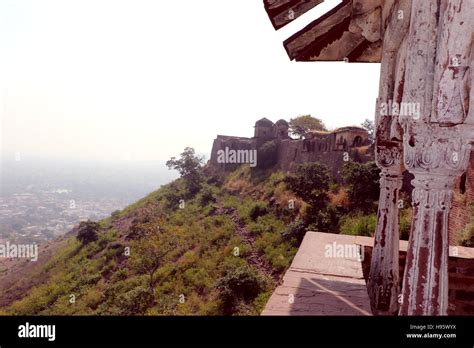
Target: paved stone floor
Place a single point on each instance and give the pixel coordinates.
(322, 281)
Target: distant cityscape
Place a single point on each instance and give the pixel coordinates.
(42, 200)
(45, 215)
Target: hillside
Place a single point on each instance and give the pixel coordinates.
(219, 251)
(212, 242)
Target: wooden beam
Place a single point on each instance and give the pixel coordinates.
(329, 38)
(282, 12)
(313, 38)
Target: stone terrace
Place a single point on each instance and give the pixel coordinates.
(319, 285)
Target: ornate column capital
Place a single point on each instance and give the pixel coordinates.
(389, 157)
(435, 151)
(436, 156)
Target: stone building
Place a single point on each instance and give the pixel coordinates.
(264, 129)
(330, 148)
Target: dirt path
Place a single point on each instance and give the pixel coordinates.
(253, 257)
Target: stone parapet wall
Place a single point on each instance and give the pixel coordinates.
(460, 214)
(461, 276)
(314, 278)
(291, 153)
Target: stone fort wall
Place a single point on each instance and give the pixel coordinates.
(331, 148)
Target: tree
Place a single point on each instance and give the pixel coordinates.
(149, 256)
(300, 125)
(88, 232)
(189, 167)
(310, 183)
(363, 183)
(369, 125)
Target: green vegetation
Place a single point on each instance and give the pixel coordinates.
(467, 234)
(300, 125)
(311, 183)
(239, 286)
(87, 232)
(370, 126)
(359, 225)
(185, 249)
(347, 208)
(362, 181)
(189, 167)
(206, 244)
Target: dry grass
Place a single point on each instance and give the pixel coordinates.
(341, 197)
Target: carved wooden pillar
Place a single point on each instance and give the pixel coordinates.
(436, 142)
(383, 282)
(383, 279)
(436, 156)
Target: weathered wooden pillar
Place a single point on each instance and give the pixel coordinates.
(383, 279)
(383, 282)
(436, 142)
(436, 157)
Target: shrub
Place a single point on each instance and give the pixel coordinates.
(280, 256)
(334, 188)
(466, 237)
(135, 301)
(88, 232)
(197, 278)
(359, 225)
(93, 298)
(256, 228)
(405, 223)
(295, 232)
(114, 301)
(115, 213)
(172, 197)
(240, 284)
(207, 197)
(311, 183)
(277, 252)
(363, 185)
(120, 274)
(257, 210)
(141, 227)
(326, 220)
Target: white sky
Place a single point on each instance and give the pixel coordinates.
(141, 80)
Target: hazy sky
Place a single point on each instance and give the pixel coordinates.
(141, 80)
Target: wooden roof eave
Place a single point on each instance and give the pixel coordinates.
(329, 37)
(283, 12)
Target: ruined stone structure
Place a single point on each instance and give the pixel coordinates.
(329, 148)
(426, 52)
